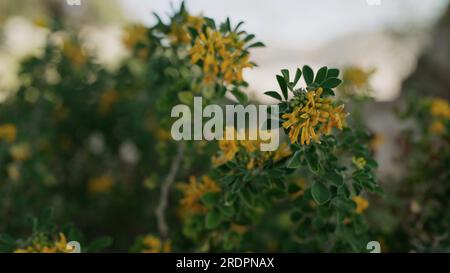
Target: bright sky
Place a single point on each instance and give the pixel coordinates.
(319, 32)
(300, 23)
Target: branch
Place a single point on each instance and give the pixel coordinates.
(165, 190)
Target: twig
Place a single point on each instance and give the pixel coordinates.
(165, 190)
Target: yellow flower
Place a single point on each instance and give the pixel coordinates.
(239, 229)
(153, 244)
(316, 114)
(440, 108)
(100, 184)
(219, 160)
(251, 164)
(135, 34)
(163, 135)
(13, 171)
(220, 53)
(301, 183)
(179, 33)
(250, 145)
(20, 152)
(107, 101)
(41, 245)
(357, 76)
(359, 162)
(41, 22)
(361, 204)
(376, 141)
(437, 128)
(8, 132)
(193, 191)
(283, 151)
(229, 148)
(74, 53)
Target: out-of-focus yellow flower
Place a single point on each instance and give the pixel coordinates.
(61, 113)
(41, 245)
(251, 164)
(74, 53)
(41, 22)
(134, 34)
(100, 184)
(440, 108)
(282, 152)
(361, 204)
(13, 172)
(359, 162)
(220, 53)
(376, 141)
(193, 191)
(357, 76)
(179, 31)
(315, 114)
(153, 244)
(107, 101)
(437, 128)
(239, 229)
(20, 152)
(301, 183)
(163, 135)
(346, 221)
(250, 145)
(8, 132)
(228, 149)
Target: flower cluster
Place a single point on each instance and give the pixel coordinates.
(179, 29)
(134, 34)
(361, 204)
(313, 116)
(152, 244)
(100, 184)
(220, 55)
(42, 244)
(8, 132)
(440, 112)
(248, 152)
(193, 191)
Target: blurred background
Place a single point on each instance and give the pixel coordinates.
(396, 39)
(405, 44)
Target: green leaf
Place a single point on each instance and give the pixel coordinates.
(333, 73)
(327, 92)
(257, 44)
(320, 193)
(99, 244)
(210, 22)
(211, 198)
(283, 86)
(249, 38)
(238, 25)
(294, 162)
(298, 75)
(332, 83)
(240, 96)
(308, 74)
(335, 178)
(274, 95)
(228, 24)
(186, 97)
(285, 74)
(321, 75)
(212, 219)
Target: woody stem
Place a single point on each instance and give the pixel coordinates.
(165, 191)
